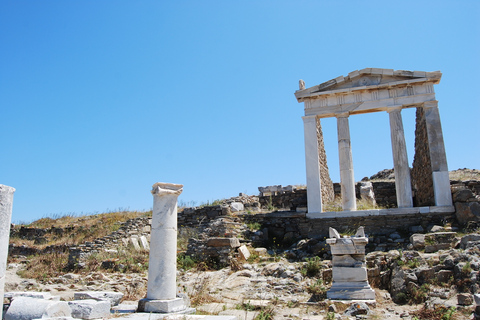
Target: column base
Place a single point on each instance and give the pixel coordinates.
(176, 305)
(351, 291)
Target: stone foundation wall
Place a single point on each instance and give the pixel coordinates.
(421, 173)
(287, 227)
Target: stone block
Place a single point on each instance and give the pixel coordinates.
(417, 240)
(90, 309)
(112, 297)
(466, 212)
(36, 295)
(134, 242)
(237, 206)
(23, 308)
(223, 242)
(343, 274)
(464, 299)
(161, 306)
(144, 243)
(244, 253)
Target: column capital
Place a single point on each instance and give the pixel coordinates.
(430, 104)
(309, 118)
(395, 109)
(342, 115)
(162, 189)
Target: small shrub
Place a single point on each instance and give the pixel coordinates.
(266, 313)
(185, 262)
(318, 290)
(254, 226)
(312, 267)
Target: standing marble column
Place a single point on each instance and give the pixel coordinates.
(403, 184)
(314, 185)
(347, 180)
(438, 157)
(162, 265)
(6, 202)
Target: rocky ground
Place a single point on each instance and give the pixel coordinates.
(276, 286)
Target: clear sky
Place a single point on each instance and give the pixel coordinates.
(101, 99)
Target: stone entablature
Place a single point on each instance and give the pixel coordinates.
(369, 90)
(374, 90)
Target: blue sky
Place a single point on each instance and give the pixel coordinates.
(101, 99)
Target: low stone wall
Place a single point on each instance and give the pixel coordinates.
(466, 197)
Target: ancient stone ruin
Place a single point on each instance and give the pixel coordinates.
(162, 265)
(377, 90)
(349, 269)
(6, 203)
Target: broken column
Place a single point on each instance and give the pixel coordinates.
(6, 202)
(162, 265)
(349, 271)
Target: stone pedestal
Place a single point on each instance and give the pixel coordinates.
(162, 265)
(6, 202)
(349, 272)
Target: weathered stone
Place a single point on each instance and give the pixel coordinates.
(468, 238)
(113, 297)
(244, 253)
(6, 204)
(464, 299)
(144, 243)
(223, 242)
(90, 309)
(26, 308)
(418, 241)
(463, 195)
(466, 212)
(237, 206)
(357, 308)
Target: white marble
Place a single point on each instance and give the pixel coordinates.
(162, 266)
(441, 181)
(314, 187)
(347, 179)
(163, 242)
(6, 203)
(349, 271)
(403, 184)
(373, 90)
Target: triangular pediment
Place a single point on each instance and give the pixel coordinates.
(368, 78)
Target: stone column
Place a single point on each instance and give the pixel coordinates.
(347, 180)
(438, 158)
(403, 184)
(162, 265)
(314, 187)
(6, 202)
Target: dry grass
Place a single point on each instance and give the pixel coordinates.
(362, 204)
(464, 174)
(77, 230)
(44, 267)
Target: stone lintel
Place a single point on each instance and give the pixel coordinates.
(318, 108)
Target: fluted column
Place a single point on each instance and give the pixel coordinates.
(6, 203)
(438, 157)
(314, 190)
(403, 184)
(347, 180)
